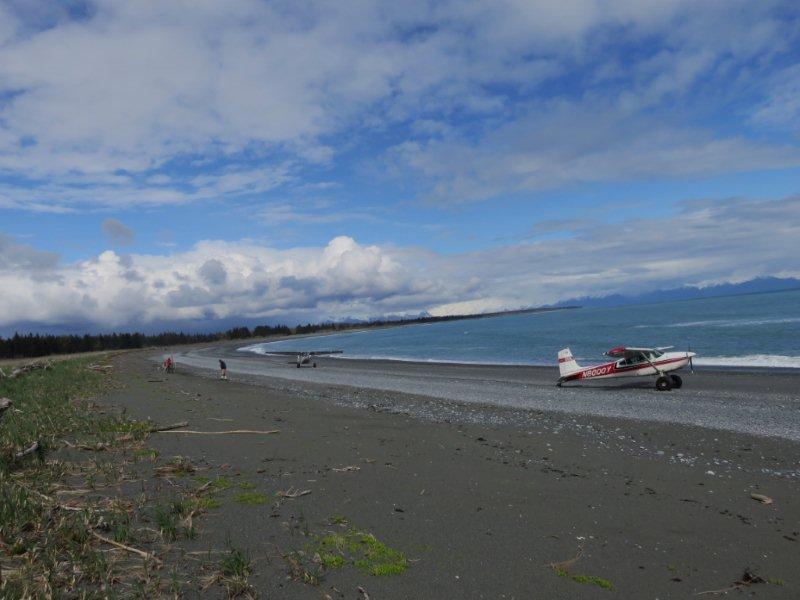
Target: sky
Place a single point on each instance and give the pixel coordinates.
(196, 163)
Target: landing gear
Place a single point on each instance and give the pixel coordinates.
(663, 384)
(298, 364)
(677, 382)
(315, 366)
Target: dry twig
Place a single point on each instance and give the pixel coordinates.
(141, 553)
(293, 493)
(566, 564)
(157, 428)
(747, 580)
(221, 432)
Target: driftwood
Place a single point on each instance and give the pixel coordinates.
(29, 450)
(141, 553)
(102, 368)
(17, 371)
(156, 428)
(2, 373)
(293, 493)
(5, 404)
(566, 564)
(345, 469)
(232, 431)
(761, 498)
(747, 580)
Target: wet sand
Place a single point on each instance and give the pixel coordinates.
(483, 489)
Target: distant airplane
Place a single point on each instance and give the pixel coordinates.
(632, 362)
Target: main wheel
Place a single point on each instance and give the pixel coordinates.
(314, 365)
(298, 365)
(676, 381)
(663, 384)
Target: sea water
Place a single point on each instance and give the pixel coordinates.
(750, 330)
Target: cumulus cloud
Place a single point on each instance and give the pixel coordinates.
(117, 232)
(740, 239)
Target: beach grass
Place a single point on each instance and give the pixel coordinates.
(65, 531)
(586, 579)
(251, 498)
(360, 549)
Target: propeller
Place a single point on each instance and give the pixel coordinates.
(689, 354)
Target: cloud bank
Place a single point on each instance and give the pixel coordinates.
(739, 239)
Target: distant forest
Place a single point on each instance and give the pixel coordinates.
(32, 345)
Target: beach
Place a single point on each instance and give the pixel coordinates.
(484, 488)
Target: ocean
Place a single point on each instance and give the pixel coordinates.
(733, 331)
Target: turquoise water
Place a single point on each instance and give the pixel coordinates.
(752, 330)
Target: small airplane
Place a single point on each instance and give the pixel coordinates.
(630, 362)
(305, 358)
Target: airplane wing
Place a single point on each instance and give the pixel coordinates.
(627, 352)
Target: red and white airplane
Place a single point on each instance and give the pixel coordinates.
(630, 362)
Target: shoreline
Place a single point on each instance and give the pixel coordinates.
(717, 365)
(763, 403)
(714, 368)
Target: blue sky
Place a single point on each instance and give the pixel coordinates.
(193, 162)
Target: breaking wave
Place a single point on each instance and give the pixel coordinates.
(750, 360)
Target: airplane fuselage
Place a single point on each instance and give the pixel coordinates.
(669, 361)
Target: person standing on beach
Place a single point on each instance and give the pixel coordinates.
(223, 369)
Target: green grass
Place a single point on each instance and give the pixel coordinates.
(208, 503)
(586, 579)
(48, 407)
(38, 536)
(360, 549)
(251, 498)
(235, 563)
(234, 569)
(166, 517)
(218, 484)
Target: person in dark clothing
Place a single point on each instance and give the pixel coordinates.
(223, 369)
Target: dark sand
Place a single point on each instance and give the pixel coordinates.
(483, 498)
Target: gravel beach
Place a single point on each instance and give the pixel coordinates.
(484, 476)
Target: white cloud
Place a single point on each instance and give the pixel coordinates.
(739, 239)
(109, 108)
(567, 144)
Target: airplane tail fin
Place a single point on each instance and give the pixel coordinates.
(566, 363)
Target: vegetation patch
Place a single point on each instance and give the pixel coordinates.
(251, 498)
(216, 484)
(233, 571)
(67, 530)
(586, 579)
(360, 549)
